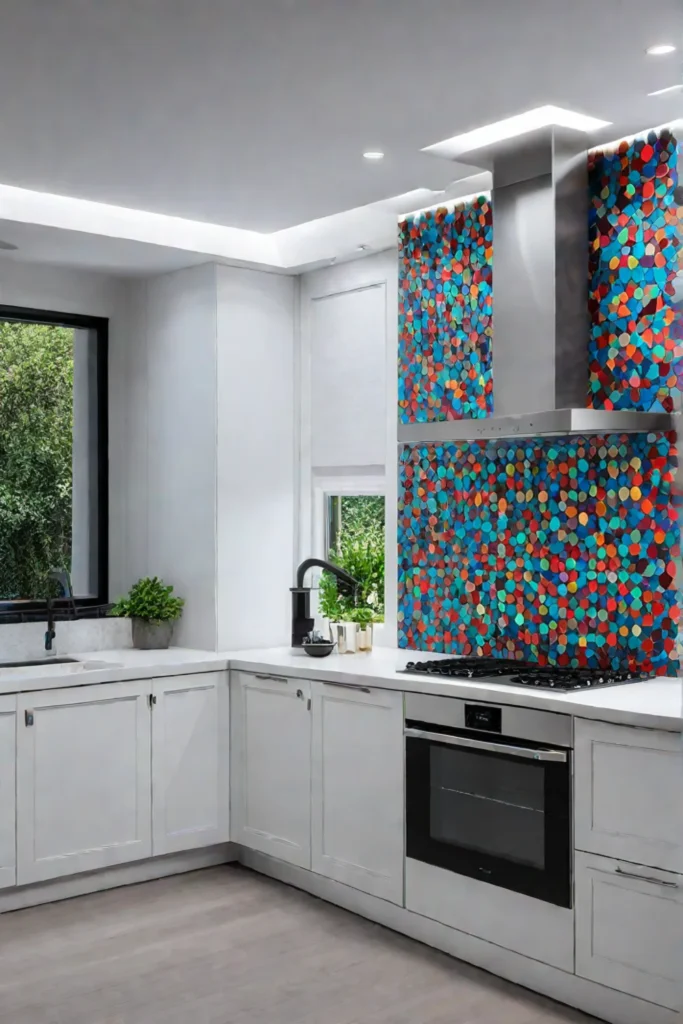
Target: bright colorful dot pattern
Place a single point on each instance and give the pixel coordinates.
(555, 550)
(446, 314)
(636, 332)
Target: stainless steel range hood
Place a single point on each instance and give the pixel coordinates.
(540, 297)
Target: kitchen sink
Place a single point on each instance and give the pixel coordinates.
(51, 667)
(39, 661)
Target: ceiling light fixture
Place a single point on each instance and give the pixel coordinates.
(510, 127)
(373, 154)
(669, 88)
(660, 49)
(8, 246)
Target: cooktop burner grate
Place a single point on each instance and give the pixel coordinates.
(519, 673)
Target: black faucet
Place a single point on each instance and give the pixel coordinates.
(62, 577)
(302, 622)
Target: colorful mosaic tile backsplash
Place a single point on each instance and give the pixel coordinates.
(556, 550)
(446, 314)
(636, 333)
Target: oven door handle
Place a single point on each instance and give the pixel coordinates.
(528, 753)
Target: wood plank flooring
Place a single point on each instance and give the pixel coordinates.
(227, 946)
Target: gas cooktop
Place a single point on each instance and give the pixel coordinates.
(519, 673)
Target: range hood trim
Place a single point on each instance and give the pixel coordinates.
(552, 422)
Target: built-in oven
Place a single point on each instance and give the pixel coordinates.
(488, 793)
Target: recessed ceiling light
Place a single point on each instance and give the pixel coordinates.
(8, 246)
(661, 49)
(499, 131)
(373, 154)
(669, 88)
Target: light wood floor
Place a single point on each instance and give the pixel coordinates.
(227, 946)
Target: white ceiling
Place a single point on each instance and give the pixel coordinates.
(255, 113)
(120, 257)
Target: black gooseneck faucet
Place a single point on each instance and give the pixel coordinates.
(62, 577)
(302, 621)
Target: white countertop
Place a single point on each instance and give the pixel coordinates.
(116, 666)
(656, 704)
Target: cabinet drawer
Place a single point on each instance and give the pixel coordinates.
(629, 928)
(628, 794)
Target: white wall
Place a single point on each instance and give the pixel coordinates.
(211, 471)
(255, 460)
(165, 504)
(348, 374)
(37, 286)
(347, 381)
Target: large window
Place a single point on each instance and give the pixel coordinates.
(53, 455)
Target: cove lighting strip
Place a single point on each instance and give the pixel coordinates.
(520, 124)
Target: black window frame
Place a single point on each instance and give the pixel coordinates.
(100, 327)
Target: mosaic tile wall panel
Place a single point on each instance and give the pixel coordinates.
(555, 550)
(446, 314)
(637, 329)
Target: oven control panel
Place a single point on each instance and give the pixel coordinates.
(478, 716)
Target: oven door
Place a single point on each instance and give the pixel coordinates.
(494, 809)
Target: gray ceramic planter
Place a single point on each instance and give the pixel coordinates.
(151, 636)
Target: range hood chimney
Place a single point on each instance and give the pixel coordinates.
(540, 297)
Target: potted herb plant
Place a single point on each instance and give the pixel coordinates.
(154, 611)
(351, 622)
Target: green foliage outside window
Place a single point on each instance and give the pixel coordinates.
(357, 545)
(36, 424)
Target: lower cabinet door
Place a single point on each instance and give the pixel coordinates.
(357, 788)
(83, 779)
(8, 834)
(190, 762)
(271, 765)
(629, 928)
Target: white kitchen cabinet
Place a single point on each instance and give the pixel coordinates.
(271, 765)
(190, 762)
(357, 788)
(83, 779)
(8, 838)
(629, 928)
(627, 785)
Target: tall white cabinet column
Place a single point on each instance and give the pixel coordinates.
(348, 392)
(207, 382)
(164, 389)
(255, 457)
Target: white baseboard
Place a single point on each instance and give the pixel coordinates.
(602, 1002)
(112, 878)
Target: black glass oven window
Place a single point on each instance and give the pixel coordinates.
(489, 804)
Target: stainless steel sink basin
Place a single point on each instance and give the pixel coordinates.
(51, 667)
(39, 661)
